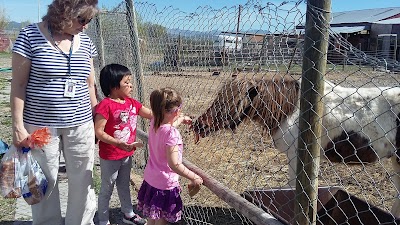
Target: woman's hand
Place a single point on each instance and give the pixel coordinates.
(21, 137)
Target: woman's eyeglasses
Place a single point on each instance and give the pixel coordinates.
(82, 21)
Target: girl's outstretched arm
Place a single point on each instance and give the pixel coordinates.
(179, 168)
(146, 113)
(182, 119)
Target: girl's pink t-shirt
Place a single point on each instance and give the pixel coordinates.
(157, 172)
(121, 124)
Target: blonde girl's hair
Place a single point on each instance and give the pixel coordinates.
(60, 13)
(162, 101)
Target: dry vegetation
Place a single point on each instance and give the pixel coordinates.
(7, 206)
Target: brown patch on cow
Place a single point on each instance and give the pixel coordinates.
(350, 147)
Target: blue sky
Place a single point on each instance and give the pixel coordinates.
(33, 10)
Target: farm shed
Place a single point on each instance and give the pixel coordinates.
(374, 31)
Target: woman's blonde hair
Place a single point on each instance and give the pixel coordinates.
(60, 13)
(161, 101)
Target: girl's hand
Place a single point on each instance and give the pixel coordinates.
(124, 146)
(182, 119)
(194, 186)
(196, 181)
(187, 120)
(129, 147)
(137, 144)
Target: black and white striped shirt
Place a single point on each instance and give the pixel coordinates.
(45, 104)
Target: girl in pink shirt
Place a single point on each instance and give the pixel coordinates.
(159, 196)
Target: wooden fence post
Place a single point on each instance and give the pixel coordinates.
(311, 109)
(101, 40)
(134, 39)
(137, 62)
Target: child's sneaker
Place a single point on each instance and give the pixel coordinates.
(135, 220)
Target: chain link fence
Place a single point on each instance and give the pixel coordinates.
(240, 70)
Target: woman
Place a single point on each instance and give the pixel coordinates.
(53, 86)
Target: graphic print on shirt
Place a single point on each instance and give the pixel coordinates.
(126, 123)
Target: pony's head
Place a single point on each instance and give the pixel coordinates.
(228, 109)
(266, 101)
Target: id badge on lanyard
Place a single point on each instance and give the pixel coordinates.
(70, 85)
(69, 88)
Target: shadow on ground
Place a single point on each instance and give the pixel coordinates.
(212, 216)
(195, 215)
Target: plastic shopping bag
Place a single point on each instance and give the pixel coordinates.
(10, 179)
(33, 182)
(20, 173)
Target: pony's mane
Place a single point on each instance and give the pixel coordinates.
(267, 101)
(274, 101)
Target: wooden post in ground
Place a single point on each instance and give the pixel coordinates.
(137, 61)
(311, 108)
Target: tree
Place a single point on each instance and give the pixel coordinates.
(152, 30)
(25, 23)
(3, 19)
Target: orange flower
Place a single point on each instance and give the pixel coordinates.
(40, 138)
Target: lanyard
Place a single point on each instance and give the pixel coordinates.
(69, 56)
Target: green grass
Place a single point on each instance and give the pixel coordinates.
(6, 122)
(3, 83)
(4, 103)
(4, 55)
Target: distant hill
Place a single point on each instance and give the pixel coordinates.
(207, 34)
(16, 26)
(191, 34)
